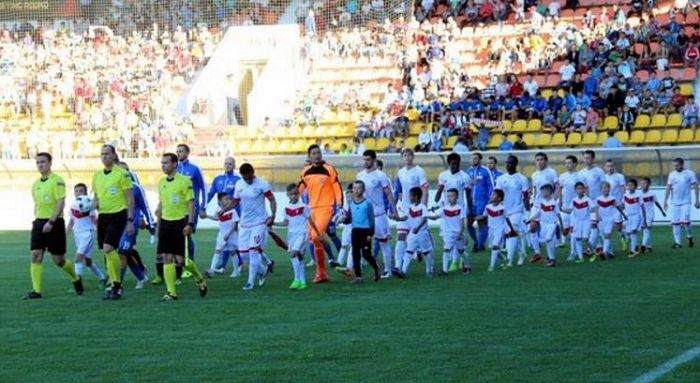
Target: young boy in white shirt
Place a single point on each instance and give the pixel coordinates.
(83, 226)
(454, 218)
(581, 210)
(545, 213)
(297, 217)
(227, 238)
(636, 215)
(494, 214)
(419, 244)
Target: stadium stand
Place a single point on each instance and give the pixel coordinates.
(379, 75)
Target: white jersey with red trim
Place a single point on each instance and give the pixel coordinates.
(375, 184)
(607, 210)
(226, 218)
(513, 186)
(416, 214)
(459, 181)
(252, 199)
(297, 216)
(546, 176)
(452, 217)
(567, 183)
(582, 208)
(545, 211)
(409, 179)
(83, 222)
(633, 203)
(681, 183)
(617, 185)
(495, 216)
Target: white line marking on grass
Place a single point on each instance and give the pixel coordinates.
(667, 366)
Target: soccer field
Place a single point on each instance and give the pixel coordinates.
(603, 322)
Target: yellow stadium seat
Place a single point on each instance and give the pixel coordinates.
(602, 136)
(546, 93)
(544, 139)
(686, 89)
(610, 123)
(674, 120)
(328, 116)
(512, 137)
(637, 137)
(520, 126)
(242, 146)
(573, 139)
(495, 140)
(697, 135)
(370, 143)
(643, 169)
(653, 137)
(343, 115)
(534, 125)
(451, 142)
(295, 131)
(382, 143)
(658, 121)
(529, 139)
(414, 129)
(558, 139)
(507, 126)
(411, 142)
(642, 121)
(685, 136)
(270, 146)
(257, 147)
(621, 135)
(590, 138)
(669, 136)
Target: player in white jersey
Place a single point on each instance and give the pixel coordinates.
(251, 192)
(227, 238)
(581, 211)
(567, 193)
(377, 188)
(545, 216)
(457, 179)
(83, 227)
(649, 203)
(606, 213)
(453, 219)
(419, 244)
(680, 181)
(592, 177)
(409, 176)
(297, 218)
(515, 187)
(495, 216)
(636, 215)
(617, 189)
(544, 175)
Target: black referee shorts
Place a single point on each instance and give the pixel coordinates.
(170, 237)
(53, 241)
(110, 227)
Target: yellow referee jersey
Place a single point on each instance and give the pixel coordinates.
(46, 193)
(109, 188)
(175, 194)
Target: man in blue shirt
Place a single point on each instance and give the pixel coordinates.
(555, 101)
(193, 171)
(127, 243)
(492, 165)
(612, 141)
(505, 145)
(222, 183)
(590, 85)
(481, 186)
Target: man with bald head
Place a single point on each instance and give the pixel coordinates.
(222, 183)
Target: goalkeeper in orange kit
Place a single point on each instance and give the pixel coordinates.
(322, 186)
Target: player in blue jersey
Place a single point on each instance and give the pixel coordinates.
(223, 183)
(185, 167)
(480, 189)
(492, 165)
(143, 218)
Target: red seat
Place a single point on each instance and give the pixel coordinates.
(643, 75)
(689, 74)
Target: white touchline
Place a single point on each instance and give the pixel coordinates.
(668, 366)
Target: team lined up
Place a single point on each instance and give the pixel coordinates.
(585, 206)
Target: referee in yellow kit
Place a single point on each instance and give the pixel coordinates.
(114, 201)
(48, 228)
(176, 214)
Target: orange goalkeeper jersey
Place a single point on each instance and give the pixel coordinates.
(322, 185)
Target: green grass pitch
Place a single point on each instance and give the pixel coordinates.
(602, 322)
